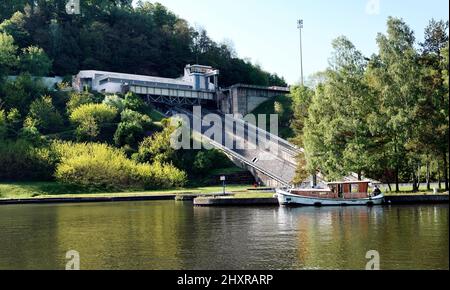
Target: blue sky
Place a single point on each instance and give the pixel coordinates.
(265, 31)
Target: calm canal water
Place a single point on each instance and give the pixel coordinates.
(171, 235)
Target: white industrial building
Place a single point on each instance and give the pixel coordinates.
(196, 78)
(198, 85)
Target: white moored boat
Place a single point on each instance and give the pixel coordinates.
(349, 193)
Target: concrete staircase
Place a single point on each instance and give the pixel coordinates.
(269, 158)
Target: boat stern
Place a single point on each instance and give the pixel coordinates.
(283, 197)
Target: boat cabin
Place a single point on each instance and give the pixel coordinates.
(339, 190)
(350, 189)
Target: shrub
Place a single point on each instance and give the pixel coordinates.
(78, 99)
(135, 103)
(210, 159)
(157, 148)
(90, 118)
(115, 102)
(20, 161)
(3, 125)
(131, 128)
(44, 116)
(35, 61)
(10, 123)
(21, 92)
(99, 166)
(99, 112)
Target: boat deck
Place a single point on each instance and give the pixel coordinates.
(329, 195)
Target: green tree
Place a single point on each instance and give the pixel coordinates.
(8, 50)
(21, 92)
(35, 61)
(432, 107)
(16, 27)
(10, 123)
(301, 99)
(150, 34)
(44, 116)
(337, 137)
(393, 73)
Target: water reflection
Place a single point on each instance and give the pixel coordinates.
(171, 235)
(339, 238)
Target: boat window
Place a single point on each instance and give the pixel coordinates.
(363, 187)
(333, 188)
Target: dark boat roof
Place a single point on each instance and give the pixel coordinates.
(351, 182)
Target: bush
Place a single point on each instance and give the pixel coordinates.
(90, 118)
(10, 123)
(115, 102)
(3, 125)
(44, 116)
(157, 148)
(78, 99)
(135, 103)
(205, 161)
(99, 166)
(99, 112)
(132, 128)
(21, 92)
(35, 61)
(20, 161)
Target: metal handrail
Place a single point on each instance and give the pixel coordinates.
(239, 157)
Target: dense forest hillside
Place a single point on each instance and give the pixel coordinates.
(113, 35)
(92, 141)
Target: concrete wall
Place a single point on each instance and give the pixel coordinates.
(243, 99)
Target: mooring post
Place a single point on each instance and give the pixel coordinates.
(223, 178)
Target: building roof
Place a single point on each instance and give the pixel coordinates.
(350, 182)
(131, 77)
(273, 88)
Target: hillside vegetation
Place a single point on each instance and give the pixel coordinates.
(114, 36)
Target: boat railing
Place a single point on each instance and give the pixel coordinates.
(332, 195)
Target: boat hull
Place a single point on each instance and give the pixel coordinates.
(288, 199)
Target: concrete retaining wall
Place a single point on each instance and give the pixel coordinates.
(414, 199)
(235, 202)
(84, 199)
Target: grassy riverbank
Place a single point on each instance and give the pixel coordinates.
(23, 190)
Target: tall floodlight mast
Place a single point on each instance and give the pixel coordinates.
(300, 27)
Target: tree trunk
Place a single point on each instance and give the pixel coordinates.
(428, 176)
(446, 171)
(414, 177)
(389, 185)
(418, 177)
(397, 186)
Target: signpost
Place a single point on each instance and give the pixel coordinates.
(223, 179)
